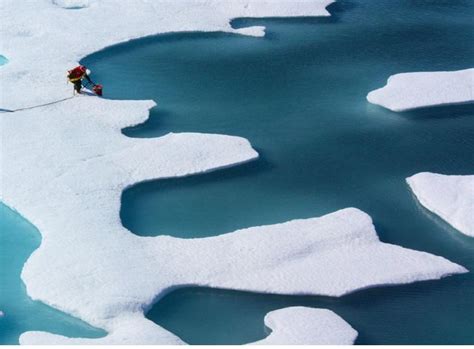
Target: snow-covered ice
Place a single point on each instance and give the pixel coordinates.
(309, 326)
(293, 325)
(65, 165)
(424, 89)
(331, 255)
(450, 197)
(61, 36)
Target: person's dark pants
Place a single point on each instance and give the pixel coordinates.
(78, 86)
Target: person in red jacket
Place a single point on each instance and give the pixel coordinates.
(76, 75)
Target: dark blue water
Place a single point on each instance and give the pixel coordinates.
(18, 239)
(299, 96)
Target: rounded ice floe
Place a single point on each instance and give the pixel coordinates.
(424, 89)
(307, 326)
(450, 197)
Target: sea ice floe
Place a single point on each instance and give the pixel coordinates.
(289, 326)
(307, 326)
(64, 167)
(425, 89)
(450, 197)
(331, 255)
(60, 43)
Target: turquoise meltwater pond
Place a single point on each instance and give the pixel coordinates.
(18, 239)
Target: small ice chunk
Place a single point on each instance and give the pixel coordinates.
(450, 197)
(257, 31)
(425, 89)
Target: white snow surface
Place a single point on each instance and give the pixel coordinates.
(289, 326)
(425, 89)
(64, 167)
(44, 38)
(450, 197)
(307, 326)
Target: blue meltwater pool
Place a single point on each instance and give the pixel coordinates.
(18, 239)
